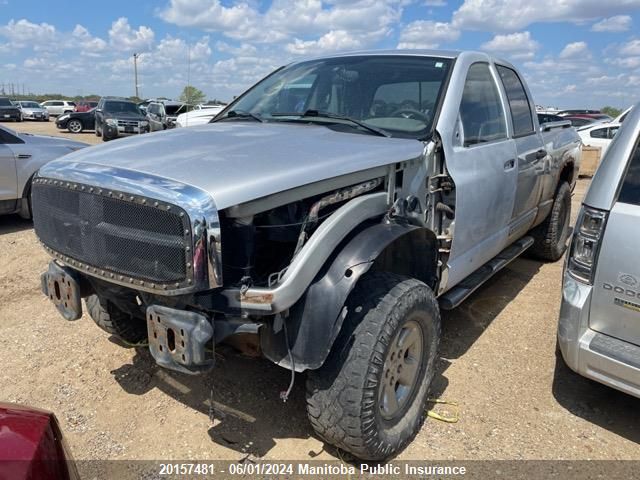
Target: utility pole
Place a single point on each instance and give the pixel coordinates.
(135, 71)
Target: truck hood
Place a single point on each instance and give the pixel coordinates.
(237, 161)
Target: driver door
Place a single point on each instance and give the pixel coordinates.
(482, 163)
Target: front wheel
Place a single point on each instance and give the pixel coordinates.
(552, 234)
(129, 328)
(369, 397)
(74, 126)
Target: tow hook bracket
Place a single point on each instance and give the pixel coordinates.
(178, 339)
(62, 287)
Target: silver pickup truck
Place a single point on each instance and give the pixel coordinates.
(329, 213)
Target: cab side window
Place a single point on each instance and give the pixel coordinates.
(630, 191)
(481, 112)
(599, 133)
(518, 102)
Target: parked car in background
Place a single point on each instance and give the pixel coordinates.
(32, 445)
(332, 233)
(58, 107)
(118, 117)
(198, 116)
(599, 326)
(162, 115)
(549, 118)
(21, 154)
(33, 111)
(577, 111)
(77, 122)
(85, 106)
(620, 118)
(9, 111)
(580, 121)
(599, 135)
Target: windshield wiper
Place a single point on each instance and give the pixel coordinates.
(333, 116)
(241, 114)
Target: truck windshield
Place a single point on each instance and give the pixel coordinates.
(5, 102)
(396, 94)
(121, 107)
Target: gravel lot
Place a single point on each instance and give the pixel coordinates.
(517, 399)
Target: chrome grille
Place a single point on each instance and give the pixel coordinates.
(114, 235)
(128, 123)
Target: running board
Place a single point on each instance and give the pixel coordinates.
(460, 292)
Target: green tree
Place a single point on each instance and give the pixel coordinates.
(611, 111)
(192, 95)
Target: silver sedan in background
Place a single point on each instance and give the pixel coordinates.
(21, 155)
(33, 111)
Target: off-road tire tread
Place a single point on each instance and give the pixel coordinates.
(340, 395)
(547, 246)
(116, 322)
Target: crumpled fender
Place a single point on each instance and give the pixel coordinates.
(314, 322)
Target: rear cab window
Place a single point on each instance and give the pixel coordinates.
(630, 190)
(521, 113)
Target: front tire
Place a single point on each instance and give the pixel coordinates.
(550, 237)
(369, 397)
(129, 328)
(74, 125)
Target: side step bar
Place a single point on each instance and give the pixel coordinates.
(460, 292)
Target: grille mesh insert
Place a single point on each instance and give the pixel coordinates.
(122, 237)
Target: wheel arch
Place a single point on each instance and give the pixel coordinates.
(313, 323)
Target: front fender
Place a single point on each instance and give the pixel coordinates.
(314, 322)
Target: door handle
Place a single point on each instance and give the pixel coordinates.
(509, 164)
(24, 156)
(540, 154)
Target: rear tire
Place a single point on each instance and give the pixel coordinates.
(552, 234)
(369, 397)
(130, 329)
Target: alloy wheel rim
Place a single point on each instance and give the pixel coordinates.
(401, 369)
(74, 125)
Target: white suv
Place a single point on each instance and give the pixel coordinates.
(58, 107)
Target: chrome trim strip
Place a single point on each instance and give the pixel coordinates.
(306, 265)
(198, 204)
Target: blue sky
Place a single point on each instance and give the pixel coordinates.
(574, 53)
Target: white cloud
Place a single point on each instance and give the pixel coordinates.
(23, 33)
(284, 19)
(332, 41)
(516, 45)
(510, 15)
(631, 48)
(435, 3)
(90, 45)
(176, 49)
(427, 34)
(124, 38)
(575, 50)
(617, 23)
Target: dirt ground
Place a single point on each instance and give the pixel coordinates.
(517, 399)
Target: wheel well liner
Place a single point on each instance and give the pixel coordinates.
(314, 322)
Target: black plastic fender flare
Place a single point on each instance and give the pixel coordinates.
(314, 322)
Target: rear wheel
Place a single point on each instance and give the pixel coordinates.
(552, 234)
(369, 397)
(130, 329)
